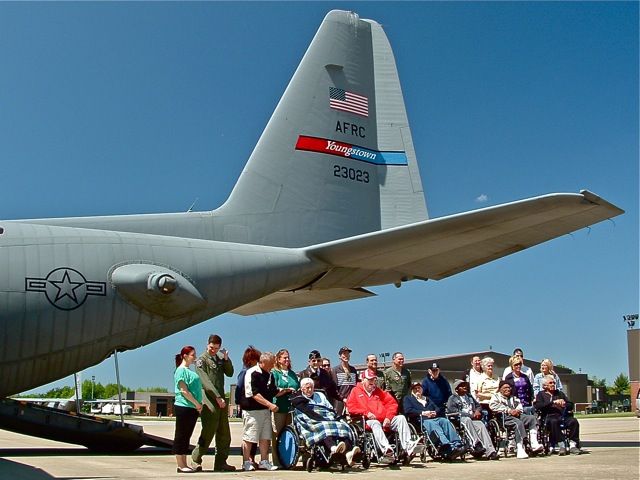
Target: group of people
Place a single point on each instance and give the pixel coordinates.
(268, 391)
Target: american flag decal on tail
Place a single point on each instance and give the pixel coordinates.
(340, 99)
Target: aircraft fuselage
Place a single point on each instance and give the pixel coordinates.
(70, 296)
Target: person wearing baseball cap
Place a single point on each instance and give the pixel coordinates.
(469, 413)
(345, 377)
(437, 388)
(423, 412)
(379, 409)
(321, 378)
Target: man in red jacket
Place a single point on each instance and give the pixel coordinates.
(380, 409)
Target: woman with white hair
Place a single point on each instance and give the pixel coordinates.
(319, 422)
(489, 381)
(546, 368)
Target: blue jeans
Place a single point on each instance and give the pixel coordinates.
(442, 428)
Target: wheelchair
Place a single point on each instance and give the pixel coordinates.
(504, 436)
(432, 445)
(500, 434)
(465, 436)
(544, 435)
(291, 447)
(370, 453)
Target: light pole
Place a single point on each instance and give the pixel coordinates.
(384, 356)
(630, 319)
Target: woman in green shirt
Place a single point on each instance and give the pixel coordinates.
(287, 383)
(187, 406)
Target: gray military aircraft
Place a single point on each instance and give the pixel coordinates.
(329, 203)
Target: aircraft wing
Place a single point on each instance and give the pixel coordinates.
(301, 298)
(438, 248)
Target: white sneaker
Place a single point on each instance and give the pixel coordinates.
(521, 452)
(248, 466)
(266, 465)
(355, 451)
(387, 458)
(411, 446)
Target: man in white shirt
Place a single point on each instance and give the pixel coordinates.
(474, 375)
(526, 370)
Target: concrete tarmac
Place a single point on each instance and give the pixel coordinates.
(614, 444)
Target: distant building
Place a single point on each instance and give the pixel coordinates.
(149, 403)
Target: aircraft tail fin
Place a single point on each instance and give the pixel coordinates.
(336, 159)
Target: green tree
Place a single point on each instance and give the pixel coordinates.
(620, 385)
(152, 389)
(61, 392)
(559, 365)
(599, 382)
(111, 389)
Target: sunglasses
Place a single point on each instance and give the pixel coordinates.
(326, 365)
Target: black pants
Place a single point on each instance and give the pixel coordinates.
(555, 432)
(186, 419)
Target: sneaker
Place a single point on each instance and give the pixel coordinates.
(387, 458)
(411, 447)
(522, 453)
(351, 454)
(248, 466)
(562, 451)
(266, 465)
(493, 456)
(574, 450)
(196, 467)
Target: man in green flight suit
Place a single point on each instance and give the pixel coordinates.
(211, 367)
(398, 379)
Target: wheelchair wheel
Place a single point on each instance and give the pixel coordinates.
(366, 461)
(423, 455)
(288, 447)
(309, 464)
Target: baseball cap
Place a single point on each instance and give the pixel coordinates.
(369, 375)
(314, 354)
(344, 349)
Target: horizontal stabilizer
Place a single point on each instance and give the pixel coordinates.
(438, 248)
(301, 298)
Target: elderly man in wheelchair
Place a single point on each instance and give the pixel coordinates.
(557, 418)
(465, 410)
(317, 432)
(379, 409)
(510, 409)
(441, 439)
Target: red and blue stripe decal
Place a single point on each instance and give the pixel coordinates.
(347, 150)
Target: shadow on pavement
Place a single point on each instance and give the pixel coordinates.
(610, 444)
(84, 452)
(18, 471)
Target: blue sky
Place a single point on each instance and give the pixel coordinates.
(115, 108)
